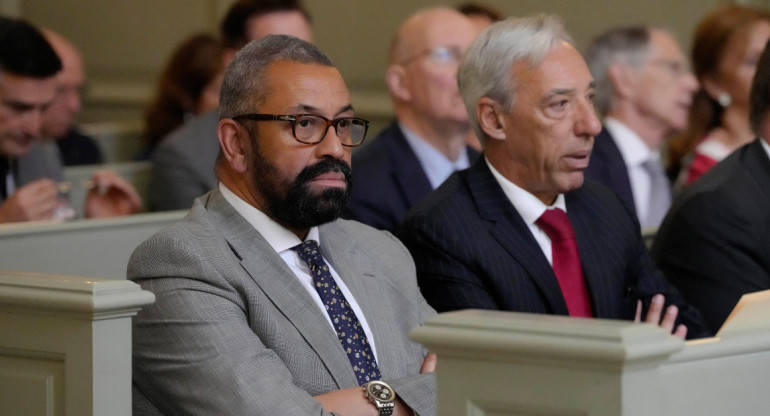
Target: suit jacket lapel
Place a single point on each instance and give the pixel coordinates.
(367, 288)
(591, 235)
(278, 282)
(513, 234)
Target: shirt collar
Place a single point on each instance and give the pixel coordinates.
(278, 236)
(632, 148)
(529, 207)
(436, 166)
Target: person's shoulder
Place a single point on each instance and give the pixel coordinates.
(377, 152)
(195, 130)
(450, 197)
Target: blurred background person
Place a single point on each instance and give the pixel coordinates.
(643, 94)
(714, 245)
(188, 87)
(427, 141)
(727, 44)
(183, 162)
(60, 118)
(28, 168)
(481, 15)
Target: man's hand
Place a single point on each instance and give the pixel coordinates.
(111, 196)
(668, 319)
(32, 202)
(429, 363)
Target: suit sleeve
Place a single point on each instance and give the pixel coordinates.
(714, 254)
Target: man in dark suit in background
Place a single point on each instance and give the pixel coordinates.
(714, 245)
(643, 92)
(426, 143)
(496, 236)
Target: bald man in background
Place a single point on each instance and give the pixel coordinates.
(427, 141)
(59, 119)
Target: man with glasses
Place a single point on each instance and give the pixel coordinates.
(266, 303)
(427, 142)
(644, 91)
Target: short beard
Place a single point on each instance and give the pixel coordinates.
(292, 204)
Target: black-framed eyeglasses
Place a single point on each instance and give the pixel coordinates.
(311, 128)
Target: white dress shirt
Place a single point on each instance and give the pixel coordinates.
(282, 240)
(530, 208)
(634, 152)
(765, 146)
(436, 166)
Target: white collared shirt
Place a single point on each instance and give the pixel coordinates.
(634, 152)
(282, 240)
(530, 208)
(436, 166)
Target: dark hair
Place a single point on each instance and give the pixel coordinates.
(25, 52)
(192, 66)
(760, 93)
(245, 85)
(475, 9)
(235, 22)
(710, 43)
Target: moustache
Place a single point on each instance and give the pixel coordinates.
(326, 166)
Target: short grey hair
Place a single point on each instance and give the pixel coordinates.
(485, 70)
(245, 85)
(628, 45)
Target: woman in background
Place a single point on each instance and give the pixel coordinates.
(189, 86)
(726, 48)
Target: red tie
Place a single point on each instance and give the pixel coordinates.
(566, 262)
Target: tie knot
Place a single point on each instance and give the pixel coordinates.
(556, 224)
(308, 250)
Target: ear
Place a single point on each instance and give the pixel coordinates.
(490, 118)
(395, 77)
(235, 143)
(623, 79)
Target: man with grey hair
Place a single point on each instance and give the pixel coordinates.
(643, 93)
(520, 230)
(266, 303)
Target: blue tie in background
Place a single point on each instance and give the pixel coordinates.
(346, 324)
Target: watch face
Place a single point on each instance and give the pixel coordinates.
(380, 391)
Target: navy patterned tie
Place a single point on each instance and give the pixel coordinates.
(346, 324)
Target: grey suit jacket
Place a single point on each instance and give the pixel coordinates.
(233, 331)
(183, 164)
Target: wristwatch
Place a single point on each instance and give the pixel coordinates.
(379, 393)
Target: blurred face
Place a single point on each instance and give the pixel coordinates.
(61, 114)
(291, 23)
(662, 88)
(297, 184)
(436, 44)
(22, 103)
(549, 131)
(738, 65)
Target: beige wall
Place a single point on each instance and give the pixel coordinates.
(126, 42)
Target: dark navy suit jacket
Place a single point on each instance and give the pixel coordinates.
(714, 244)
(608, 168)
(473, 250)
(388, 180)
